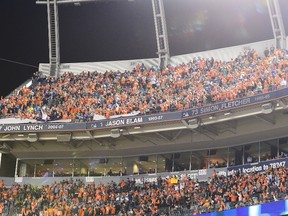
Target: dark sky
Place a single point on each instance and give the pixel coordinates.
(211, 24)
(124, 30)
(23, 38)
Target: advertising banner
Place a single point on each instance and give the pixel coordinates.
(258, 167)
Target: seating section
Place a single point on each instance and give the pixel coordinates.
(147, 90)
(167, 195)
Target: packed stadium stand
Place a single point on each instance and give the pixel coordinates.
(197, 83)
(206, 133)
(257, 176)
(178, 197)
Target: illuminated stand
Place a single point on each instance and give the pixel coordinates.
(53, 31)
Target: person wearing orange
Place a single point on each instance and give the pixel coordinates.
(50, 211)
(1, 208)
(1, 185)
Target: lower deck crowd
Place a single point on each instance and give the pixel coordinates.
(218, 193)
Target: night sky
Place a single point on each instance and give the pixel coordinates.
(23, 38)
(124, 30)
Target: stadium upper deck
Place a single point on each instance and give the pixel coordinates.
(200, 87)
(208, 123)
(214, 120)
(197, 83)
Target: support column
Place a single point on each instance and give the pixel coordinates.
(161, 33)
(53, 36)
(16, 168)
(277, 23)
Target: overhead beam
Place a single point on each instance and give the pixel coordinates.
(92, 138)
(201, 131)
(163, 136)
(211, 130)
(131, 137)
(265, 119)
(146, 141)
(177, 135)
(27, 145)
(76, 144)
(90, 134)
(231, 124)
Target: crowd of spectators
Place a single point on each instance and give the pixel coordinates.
(147, 90)
(217, 194)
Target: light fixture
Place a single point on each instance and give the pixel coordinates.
(212, 117)
(64, 137)
(32, 137)
(267, 108)
(193, 123)
(115, 133)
